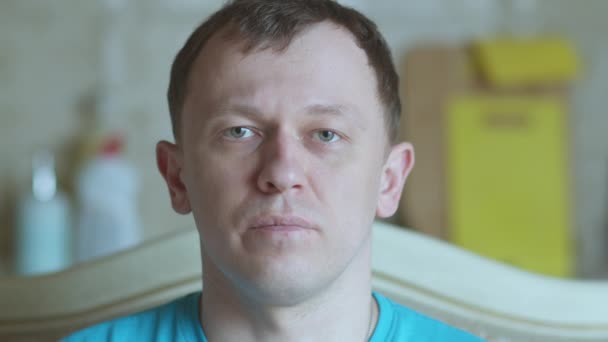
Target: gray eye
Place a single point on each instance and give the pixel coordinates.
(239, 132)
(327, 136)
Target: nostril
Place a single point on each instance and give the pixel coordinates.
(270, 186)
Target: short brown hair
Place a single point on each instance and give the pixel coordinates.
(273, 24)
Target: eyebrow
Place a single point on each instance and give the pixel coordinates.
(334, 110)
(350, 113)
(314, 109)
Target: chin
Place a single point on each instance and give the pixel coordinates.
(280, 286)
(283, 294)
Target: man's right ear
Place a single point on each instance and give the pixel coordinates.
(170, 164)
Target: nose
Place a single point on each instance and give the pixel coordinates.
(282, 165)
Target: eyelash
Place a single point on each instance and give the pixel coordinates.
(334, 133)
(227, 132)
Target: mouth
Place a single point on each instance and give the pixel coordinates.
(281, 223)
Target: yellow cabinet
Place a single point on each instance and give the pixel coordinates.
(508, 180)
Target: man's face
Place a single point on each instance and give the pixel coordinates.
(282, 160)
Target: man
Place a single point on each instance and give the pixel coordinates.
(285, 115)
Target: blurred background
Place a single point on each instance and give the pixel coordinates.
(504, 101)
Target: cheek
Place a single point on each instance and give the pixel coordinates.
(217, 186)
(349, 189)
(350, 206)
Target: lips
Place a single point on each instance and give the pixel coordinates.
(281, 222)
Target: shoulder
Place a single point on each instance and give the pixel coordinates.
(162, 323)
(399, 323)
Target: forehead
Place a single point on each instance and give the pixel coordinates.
(321, 64)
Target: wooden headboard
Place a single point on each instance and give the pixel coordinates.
(490, 299)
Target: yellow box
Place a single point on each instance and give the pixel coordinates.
(524, 62)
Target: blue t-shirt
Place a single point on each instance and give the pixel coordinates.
(179, 321)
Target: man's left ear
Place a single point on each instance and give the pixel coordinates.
(395, 171)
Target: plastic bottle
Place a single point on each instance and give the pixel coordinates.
(107, 189)
(43, 238)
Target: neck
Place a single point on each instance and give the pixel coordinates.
(342, 311)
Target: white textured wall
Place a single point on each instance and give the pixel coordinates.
(50, 62)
